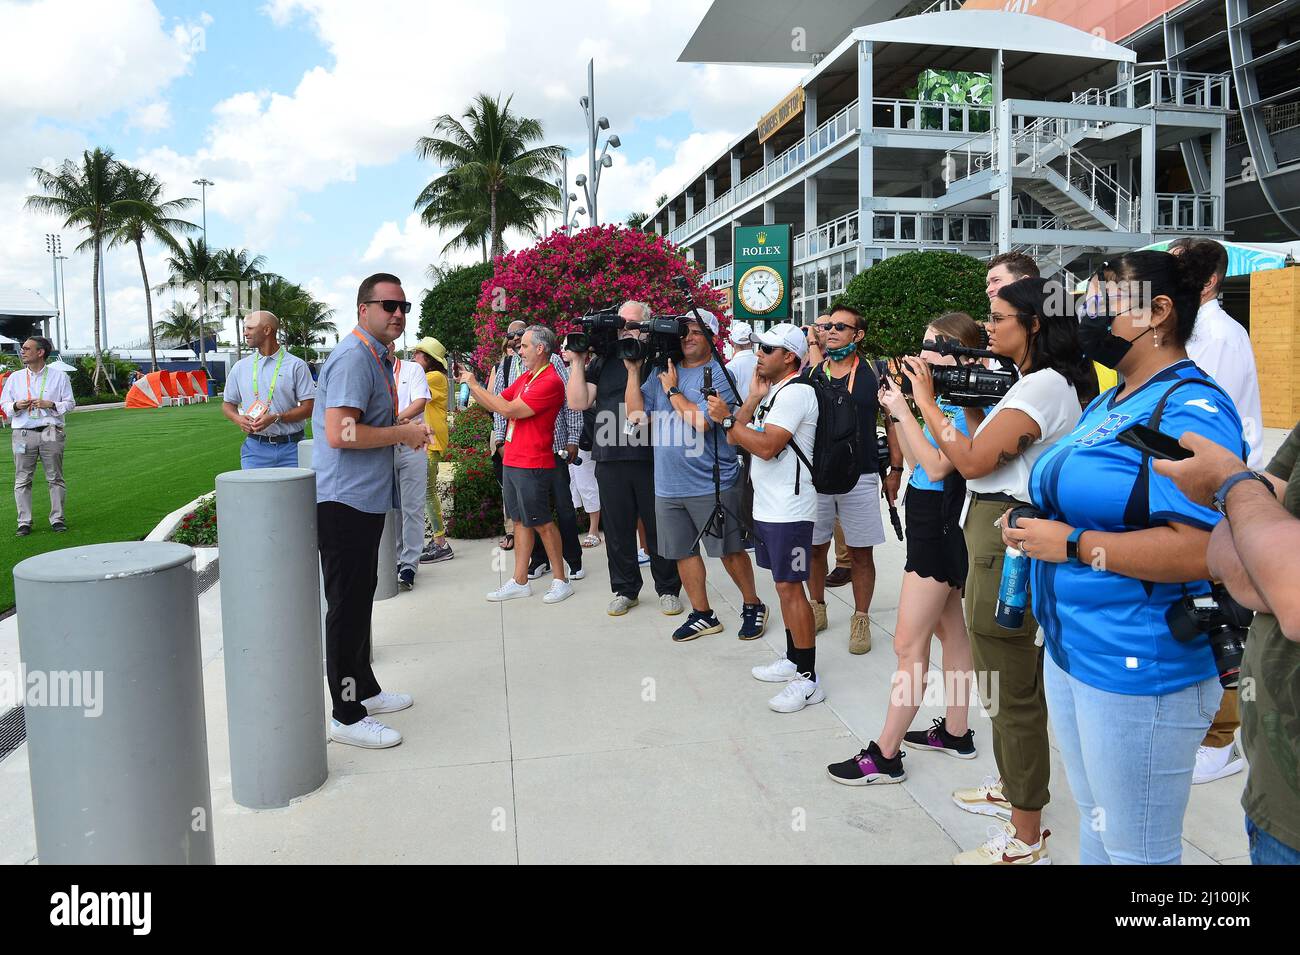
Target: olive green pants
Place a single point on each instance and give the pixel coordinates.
(1008, 667)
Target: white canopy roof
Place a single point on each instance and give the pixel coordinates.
(24, 303)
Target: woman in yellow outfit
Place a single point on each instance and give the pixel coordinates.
(432, 357)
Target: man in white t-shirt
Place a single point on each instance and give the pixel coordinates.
(745, 359)
(412, 469)
(781, 408)
(1220, 346)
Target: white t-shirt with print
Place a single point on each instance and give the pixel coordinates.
(1051, 401)
(792, 407)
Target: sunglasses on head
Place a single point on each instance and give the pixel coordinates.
(390, 305)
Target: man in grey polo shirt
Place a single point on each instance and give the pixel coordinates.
(268, 395)
(354, 423)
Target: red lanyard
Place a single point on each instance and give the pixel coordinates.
(392, 385)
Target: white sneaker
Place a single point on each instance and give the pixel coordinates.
(578, 574)
(797, 694)
(387, 703)
(510, 590)
(670, 605)
(560, 590)
(1216, 762)
(369, 733)
(620, 605)
(780, 670)
(642, 557)
(539, 571)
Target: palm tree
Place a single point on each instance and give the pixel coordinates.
(303, 320)
(194, 264)
(243, 269)
(150, 218)
(489, 167)
(90, 197)
(179, 324)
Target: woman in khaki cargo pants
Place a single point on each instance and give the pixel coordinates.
(1030, 323)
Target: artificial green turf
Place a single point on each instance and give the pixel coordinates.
(126, 469)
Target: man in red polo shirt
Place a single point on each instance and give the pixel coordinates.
(530, 406)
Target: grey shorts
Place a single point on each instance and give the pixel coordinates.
(679, 519)
(858, 512)
(527, 495)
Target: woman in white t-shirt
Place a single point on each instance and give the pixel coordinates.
(1031, 323)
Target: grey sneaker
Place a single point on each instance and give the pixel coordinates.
(670, 604)
(621, 605)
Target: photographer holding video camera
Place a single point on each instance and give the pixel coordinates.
(1138, 644)
(697, 476)
(1030, 325)
(621, 450)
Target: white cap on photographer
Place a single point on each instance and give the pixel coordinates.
(709, 319)
(785, 336)
(742, 333)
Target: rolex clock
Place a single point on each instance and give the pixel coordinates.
(761, 290)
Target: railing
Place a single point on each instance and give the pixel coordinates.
(1277, 118)
(930, 116)
(941, 6)
(1035, 222)
(1186, 212)
(834, 234)
(828, 134)
(721, 277)
(932, 228)
(1169, 88)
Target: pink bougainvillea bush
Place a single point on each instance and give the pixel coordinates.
(564, 277)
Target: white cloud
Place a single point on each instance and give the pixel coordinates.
(153, 117)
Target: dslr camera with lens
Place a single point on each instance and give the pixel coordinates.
(971, 385)
(1221, 618)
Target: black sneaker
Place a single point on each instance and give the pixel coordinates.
(433, 553)
(406, 578)
(541, 570)
(937, 739)
(59, 527)
(24, 530)
(867, 768)
(697, 625)
(753, 621)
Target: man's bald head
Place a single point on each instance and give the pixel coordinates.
(264, 318)
(260, 329)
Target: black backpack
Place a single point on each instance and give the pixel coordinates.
(836, 462)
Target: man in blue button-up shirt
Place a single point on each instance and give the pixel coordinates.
(354, 423)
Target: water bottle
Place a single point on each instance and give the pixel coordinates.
(1013, 593)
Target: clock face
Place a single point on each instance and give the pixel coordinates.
(761, 290)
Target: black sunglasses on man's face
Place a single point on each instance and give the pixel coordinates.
(768, 349)
(390, 305)
(510, 335)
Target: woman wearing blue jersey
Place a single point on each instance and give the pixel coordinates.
(933, 580)
(1029, 324)
(1119, 547)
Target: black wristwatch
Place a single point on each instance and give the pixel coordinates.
(1221, 495)
(728, 422)
(674, 390)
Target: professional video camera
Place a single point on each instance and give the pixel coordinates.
(1221, 618)
(663, 342)
(969, 386)
(599, 332)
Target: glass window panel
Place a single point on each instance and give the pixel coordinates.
(882, 227)
(907, 228)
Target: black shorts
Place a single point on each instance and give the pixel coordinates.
(784, 549)
(936, 546)
(527, 493)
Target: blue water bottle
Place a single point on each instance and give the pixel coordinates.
(1013, 592)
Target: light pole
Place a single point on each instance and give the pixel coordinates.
(63, 294)
(203, 184)
(566, 196)
(591, 182)
(54, 245)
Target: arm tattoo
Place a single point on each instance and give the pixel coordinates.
(1022, 445)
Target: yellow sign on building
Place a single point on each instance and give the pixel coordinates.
(782, 113)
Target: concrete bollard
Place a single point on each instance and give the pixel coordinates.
(270, 621)
(387, 586)
(118, 744)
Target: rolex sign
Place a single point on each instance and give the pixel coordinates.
(761, 282)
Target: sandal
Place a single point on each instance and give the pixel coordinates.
(507, 542)
(591, 540)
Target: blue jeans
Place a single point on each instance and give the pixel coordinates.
(259, 454)
(1129, 760)
(1265, 850)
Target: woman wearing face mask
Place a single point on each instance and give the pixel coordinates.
(1030, 324)
(1118, 550)
(933, 580)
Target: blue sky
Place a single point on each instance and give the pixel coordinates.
(305, 114)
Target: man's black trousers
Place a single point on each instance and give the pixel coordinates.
(566, 518)
(349, 557)
(627, 491)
